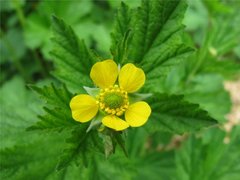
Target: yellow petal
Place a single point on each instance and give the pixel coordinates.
(83, 107)
(137, 114)
(115, 123)
(104, 74)
(131, 78)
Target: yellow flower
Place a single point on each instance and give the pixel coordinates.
(112, 99)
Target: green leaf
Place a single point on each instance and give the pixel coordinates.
(195, 19)
(209, 157)
(30, 154)
(58, 113)
(108, 145)
(36, 157)
(157, 31)
(142, 163)
(72, 59)
(24, 154)
(10, 5)
(111, 139)
(227, 68)
(120, 52)
(121, 29)
(16, 113)
(76, 146)
(221, 41)
(91, 23)
(39, 21)
(131, 3)
(156, 23)
(207, 90)
(120, 140)
(79, 147)
(171, 113)
(12, 46)
(216, 6)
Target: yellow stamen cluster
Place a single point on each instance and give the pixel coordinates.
(113, 100)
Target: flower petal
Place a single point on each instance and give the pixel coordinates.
(115, 123)
(137, 114)
(131, 78)
(104, 74)
(83, 107)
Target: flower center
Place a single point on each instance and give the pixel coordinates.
(113, 100)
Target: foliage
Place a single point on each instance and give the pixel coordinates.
(79, 60)
(39, 21)
(156, 44)
(187, 50)
(171, 113)
(58, 113)
(208, 157)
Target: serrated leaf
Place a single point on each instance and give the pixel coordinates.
(72, 59)
(204, 89)
(54, 96)
(141, 163)
(120, 53)
(209, 159)
(36, 157)
(24, 154)
(157, 43)
(171, 113)
(79, 147)
(58, 114)
(118, 36)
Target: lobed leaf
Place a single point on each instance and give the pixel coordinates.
(79, 147)
(121, 29)
(156, 43)
(73, 61)
(24, 154)
(171, 113)
(58, 113)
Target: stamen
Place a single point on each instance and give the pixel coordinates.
(113, 100)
